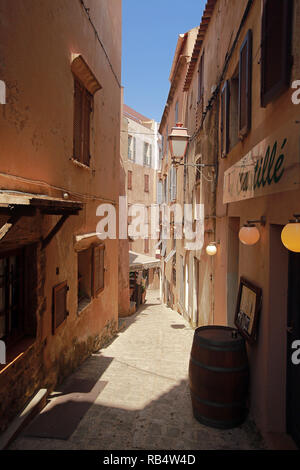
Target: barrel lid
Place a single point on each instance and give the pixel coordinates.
(220, 336)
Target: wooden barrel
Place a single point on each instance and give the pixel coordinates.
(219, 376)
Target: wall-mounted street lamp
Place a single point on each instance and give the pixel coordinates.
(290, 235)
(211, 248)
(179, 139)
(249, 233)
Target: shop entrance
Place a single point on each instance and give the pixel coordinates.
(293, 334)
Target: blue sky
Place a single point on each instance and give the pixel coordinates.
(150, 32)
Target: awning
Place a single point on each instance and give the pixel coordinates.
(170, 255)
(17, 204)
(137, 261)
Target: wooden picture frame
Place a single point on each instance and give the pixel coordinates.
(247, 309)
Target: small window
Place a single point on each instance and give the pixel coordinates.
(147, 154)
(11, 295)
(83, 103)
(176, 112)
(225, 119)
(84, 278)
(146, 248)
(201, 79)
(245, 75)
(60, 312)
(98, 269)
(131, 148)
(146, 183)
(129, 180)
(275, 48)
(234, 109)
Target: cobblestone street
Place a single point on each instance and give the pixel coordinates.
(142, 396)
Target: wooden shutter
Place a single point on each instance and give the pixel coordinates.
(129, 147)
(275, 48)
(200, 79)
(245, 84)
(134, 149)
(87, 108)
(146, 183)
(60, 312)
(173, 181)
(98, 269)
(129, 181)
(159, 192)
(225, 119)
(83, 102)
(78, 99)
(146, 245)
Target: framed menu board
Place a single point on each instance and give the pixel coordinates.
(247, 309)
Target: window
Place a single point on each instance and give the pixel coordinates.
(234, 104)
(146, 248)
(162, 147)
(129, 179)
(201, 79)
(11, 294)
(245, 75)
(83, 103)
(90, 274)
(225, 120)
(18, 294)
(176, 112)
(146, 183)
(98, 269)
(167, 141)
(173, 183)
(275, 51)
(147, 154)
(59, 312)
(131, 148)
(84, 278)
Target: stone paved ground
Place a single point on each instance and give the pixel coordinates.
(145, 403)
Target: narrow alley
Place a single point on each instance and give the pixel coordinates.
(133, 395)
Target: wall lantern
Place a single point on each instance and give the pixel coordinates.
(178, 143)
(211, 248)
(290, 235)
(249, 233)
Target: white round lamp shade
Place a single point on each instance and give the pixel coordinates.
(249, 235)
(290, 237)
(211, 249)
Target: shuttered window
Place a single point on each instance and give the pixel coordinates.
(173, 183)
(275, 48)
(83, 102)
(98, 269)
(129, 179)
(134, 149)
(225, 119)
(60, 312)
(176, 112)
(146, 245)
(245, 83)
(201, 79)
(146, 183)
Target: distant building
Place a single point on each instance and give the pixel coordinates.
(141, 169)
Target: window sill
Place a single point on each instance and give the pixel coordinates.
(81, 165)
(14, 353)
(83, 304)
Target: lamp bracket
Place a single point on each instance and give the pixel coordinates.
(261, 221)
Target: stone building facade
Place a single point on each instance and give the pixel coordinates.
(240, 91)
(59, 161)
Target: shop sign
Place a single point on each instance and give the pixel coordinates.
(272, 166)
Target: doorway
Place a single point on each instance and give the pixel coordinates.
(293, 334)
